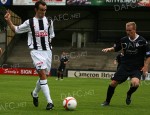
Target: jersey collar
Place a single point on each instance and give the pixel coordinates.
(134, 39)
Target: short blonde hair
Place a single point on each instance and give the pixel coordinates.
(131, 24)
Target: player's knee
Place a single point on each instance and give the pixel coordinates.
(114, 83)
(135, 82)
(42, 74)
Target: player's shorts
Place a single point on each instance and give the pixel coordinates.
(61, 68)
(42, 59)
(124, 72)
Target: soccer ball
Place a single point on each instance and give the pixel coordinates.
(70, 103)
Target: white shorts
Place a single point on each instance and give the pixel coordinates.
(42, 59)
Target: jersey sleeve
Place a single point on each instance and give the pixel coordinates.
(117, 46)
(25, 27)
(147, 50)
(51, 30)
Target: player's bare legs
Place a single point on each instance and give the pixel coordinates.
(110, 92)
(135, 82)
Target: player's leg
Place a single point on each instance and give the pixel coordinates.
(58, 73)
(135, 82)
(110, 92)
(119, 77)
(41, 61)
(62, 73)
(133, 87)
(45, 88)
(35, 93)
(45, 72)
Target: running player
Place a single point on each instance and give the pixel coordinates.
(135, 49)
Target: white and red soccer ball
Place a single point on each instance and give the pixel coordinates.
(70, 103)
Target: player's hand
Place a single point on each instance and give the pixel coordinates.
(7, 15)
(107, 50)
(65, 62)
(145, 70)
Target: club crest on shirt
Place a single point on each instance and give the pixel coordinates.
(3, 1)
(137, 44)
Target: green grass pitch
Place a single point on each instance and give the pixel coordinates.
(15, 98)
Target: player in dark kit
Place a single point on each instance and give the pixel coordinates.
(63, 61)
(135, 49)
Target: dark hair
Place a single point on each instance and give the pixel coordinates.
(38, 3)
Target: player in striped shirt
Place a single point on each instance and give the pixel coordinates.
(40, 33)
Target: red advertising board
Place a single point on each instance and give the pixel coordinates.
(18, 71)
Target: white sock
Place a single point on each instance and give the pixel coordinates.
(37, 89)
(46, 91)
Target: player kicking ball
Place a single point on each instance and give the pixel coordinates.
(135, 49)
(40, 33)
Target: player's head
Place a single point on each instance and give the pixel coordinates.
(131, 29)
(40, 9)
(63, 53)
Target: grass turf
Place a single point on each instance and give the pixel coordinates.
(15, 98)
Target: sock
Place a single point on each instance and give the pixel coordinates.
(61, 76)
(37, 89)
(110, 92)
(131, 90)
(46, 91)
(58, 75)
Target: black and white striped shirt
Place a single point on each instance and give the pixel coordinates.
(43, 33)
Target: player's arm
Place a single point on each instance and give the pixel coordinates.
(1, 51)
(25, 27)
(115, 61)
(116, 47)
(51, 30)
(145, 67)
(147, 60)
(8, 20)
(108, 49)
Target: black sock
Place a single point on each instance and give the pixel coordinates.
(58, 75)
(110, 92)
(61, 76)
(131, 90)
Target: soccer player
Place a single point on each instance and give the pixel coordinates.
(40, 33)
(63, 61)
(135, 49)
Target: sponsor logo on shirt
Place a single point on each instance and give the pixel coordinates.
(41, 33)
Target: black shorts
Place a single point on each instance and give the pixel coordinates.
(61, 68)
(124, 72)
